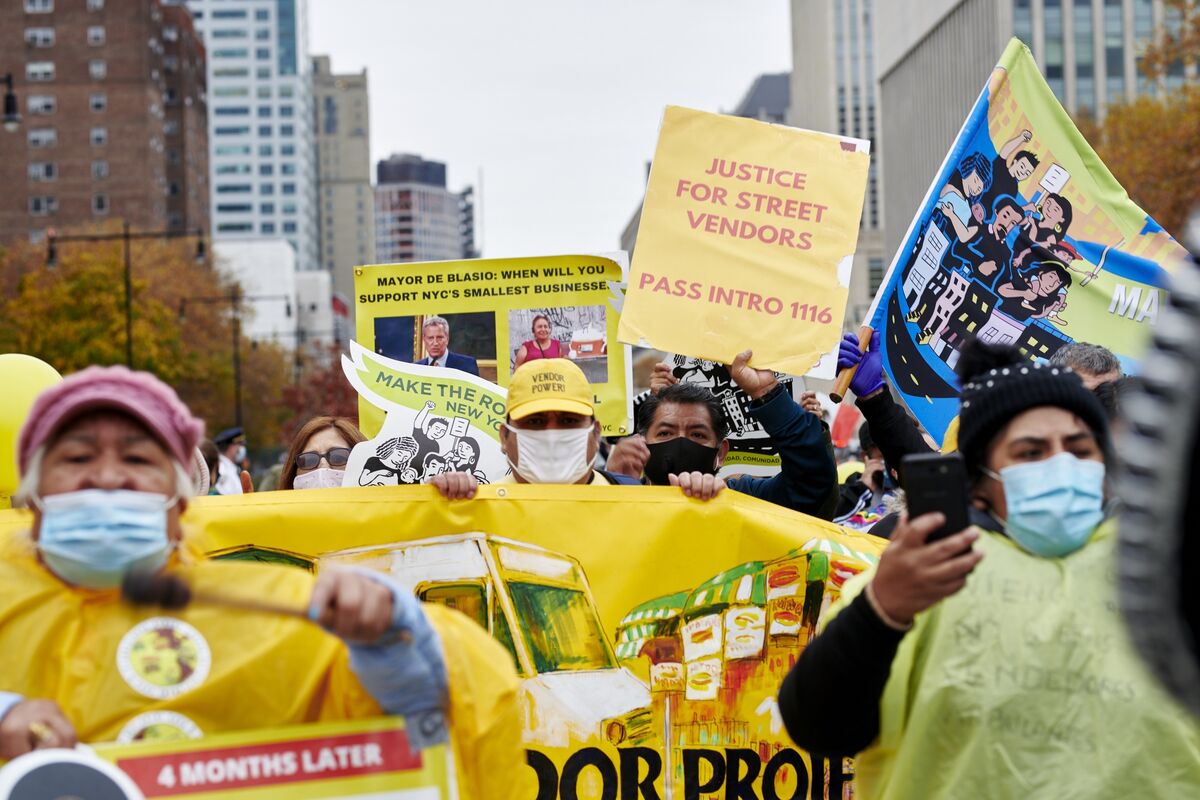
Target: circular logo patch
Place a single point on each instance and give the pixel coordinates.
(163, 658)
(159, 726)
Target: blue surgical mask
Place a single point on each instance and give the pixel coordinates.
(93, 537)
(1054, 505)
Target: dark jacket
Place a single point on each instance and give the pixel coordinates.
(457, 361)
(892, 429)
(807, 477)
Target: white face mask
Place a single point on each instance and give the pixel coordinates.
(552, 456)
(323, 478)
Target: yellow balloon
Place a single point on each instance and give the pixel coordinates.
(22, 379)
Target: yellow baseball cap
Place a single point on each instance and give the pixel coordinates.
(549, 384)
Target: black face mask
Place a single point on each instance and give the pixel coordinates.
(679, 455)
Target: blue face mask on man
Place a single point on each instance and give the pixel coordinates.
(93, 537)
(1054, 505)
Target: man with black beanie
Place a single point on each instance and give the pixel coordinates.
(994, 662)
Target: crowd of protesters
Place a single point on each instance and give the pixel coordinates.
(1046, 696)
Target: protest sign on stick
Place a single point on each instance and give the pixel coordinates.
(746, 239)
(1024, 238)
(501, 313)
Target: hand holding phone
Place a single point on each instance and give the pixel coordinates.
(935, 482)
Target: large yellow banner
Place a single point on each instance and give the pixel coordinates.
(746, 239)
(501, 313)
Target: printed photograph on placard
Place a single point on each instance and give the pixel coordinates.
(465, 341)
(579, 333)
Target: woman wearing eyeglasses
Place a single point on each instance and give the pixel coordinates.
(318, 455)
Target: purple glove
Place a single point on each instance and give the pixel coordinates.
(869, 377)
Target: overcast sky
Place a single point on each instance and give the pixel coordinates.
(557, 102)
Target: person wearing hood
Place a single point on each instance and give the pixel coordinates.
(994, 662)
(104, 458)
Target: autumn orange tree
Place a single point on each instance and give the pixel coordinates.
(1152, 145)
(72, 315)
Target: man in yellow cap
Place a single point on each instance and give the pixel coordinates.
(551, 434)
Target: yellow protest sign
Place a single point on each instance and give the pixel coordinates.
(650, 631)
(486, 317)
(342, 759)
(746, 239)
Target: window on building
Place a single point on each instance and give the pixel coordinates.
(262, 14)
(98, 69)
(234, 208)
(42, 171)
(98, 101)
(266, 169)
(1114, 51)
(262, 35)
(230, 91)
(233, 169)
(41, 137)
(39, 37)
(263, 92)
(232, 111)
(231, 72)
(171, 127)
(266, 189)
(231, 52)
(264, 130)
(171, 64)
(99, 170)
(41, 104)
(98, 137)
(287, 188)
(95, 35)
(266, 208)
(235, 227)
(230, 33)
(287, 111)
(265, 150)
(99, 204)
(39, 71)
(287, 91)
(287, 169)
(267, 227)
(230, 13)
(233, 188)
(287, 130)
(263, 73)
(41, 205)
(289, 208)
(233, 130)
(264, 112)
(39, 6)
(262, 53)
(232, 150)
(289, 227)
(172, 156)
(287, 149)
(95, 5)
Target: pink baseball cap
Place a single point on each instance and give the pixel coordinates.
(138, 394)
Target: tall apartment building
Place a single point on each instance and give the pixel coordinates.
(263, 172)
(94, 78)
(834, 90)
(416, 217)
(186, 124)
(937, 55)
(347, 204)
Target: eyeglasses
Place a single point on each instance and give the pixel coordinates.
(336, 456)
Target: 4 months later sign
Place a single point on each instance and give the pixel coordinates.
(746, 240)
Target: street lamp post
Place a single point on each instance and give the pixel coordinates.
(125, 236)
(12, 113)
(235, 298)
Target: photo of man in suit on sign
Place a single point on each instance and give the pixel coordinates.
(435, 336)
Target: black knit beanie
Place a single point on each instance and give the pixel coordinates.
(998, 383)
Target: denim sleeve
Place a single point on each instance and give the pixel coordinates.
(7, 701)
(405, 671)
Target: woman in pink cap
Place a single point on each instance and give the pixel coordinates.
(102, 458)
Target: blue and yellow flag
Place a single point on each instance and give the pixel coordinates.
(1024, 238)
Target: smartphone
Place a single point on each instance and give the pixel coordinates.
(935, 482)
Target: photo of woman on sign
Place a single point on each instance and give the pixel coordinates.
(542, 345)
